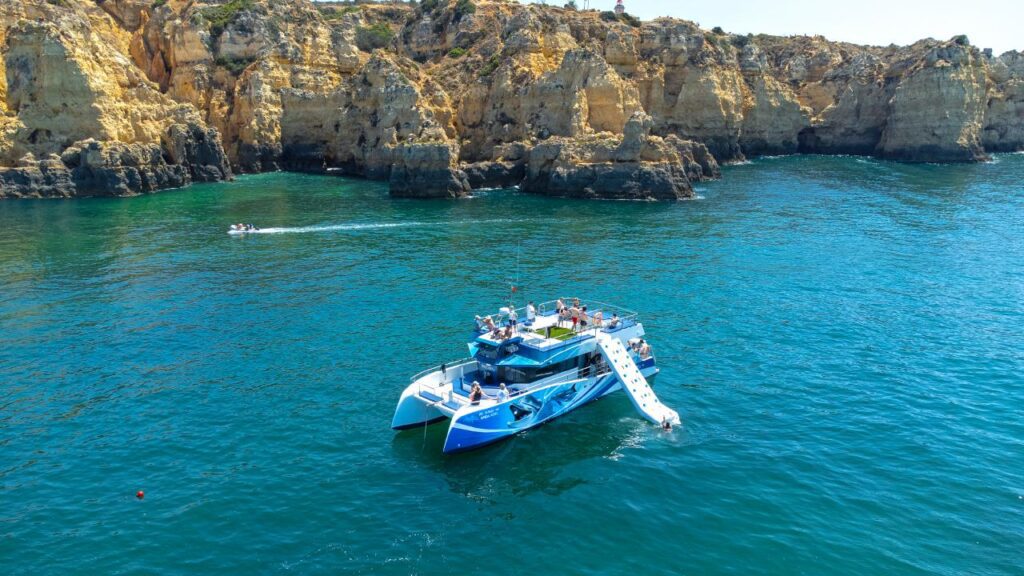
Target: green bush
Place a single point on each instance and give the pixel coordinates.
(464, 8)
(233, 65)
(571, 5)
(631, 20)
(218, 17)
(718, 30)
(429, 5)
(331, 13)
(609, 16)
(741, 41)
(490, 66)
(369, 38)
(158, 3)
(456, 52)
(962, 40)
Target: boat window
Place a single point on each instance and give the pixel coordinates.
(511, 375)
(486, 353)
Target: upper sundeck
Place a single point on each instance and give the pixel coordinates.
(548, 328)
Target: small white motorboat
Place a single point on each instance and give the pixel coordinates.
(242, 229)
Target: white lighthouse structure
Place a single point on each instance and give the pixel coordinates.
(619, 8)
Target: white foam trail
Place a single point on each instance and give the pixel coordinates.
(368, 226)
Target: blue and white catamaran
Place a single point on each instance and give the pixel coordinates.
(548, 367)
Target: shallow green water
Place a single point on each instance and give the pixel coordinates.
(843, 339)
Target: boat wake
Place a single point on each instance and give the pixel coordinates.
(366, 226)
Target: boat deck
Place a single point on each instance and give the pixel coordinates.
(548, 330)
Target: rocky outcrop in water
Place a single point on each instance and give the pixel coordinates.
(633, 166)
(444, 96)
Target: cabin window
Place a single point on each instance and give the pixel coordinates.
(511, 375)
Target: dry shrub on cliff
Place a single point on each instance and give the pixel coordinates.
(218, 17)
(463, 8)
(331, 13)
(490, 66)
(234, 65)
(369, 38)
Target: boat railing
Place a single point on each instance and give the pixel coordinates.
(544, 307)
(626, 316)
(450, 368)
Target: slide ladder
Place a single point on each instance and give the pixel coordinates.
(636, 386)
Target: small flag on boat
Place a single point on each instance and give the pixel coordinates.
(513, 288)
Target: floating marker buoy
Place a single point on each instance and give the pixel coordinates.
(140, 494)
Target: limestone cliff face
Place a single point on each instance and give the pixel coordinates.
(938, 108)
(386, 122)
(126, 96)
(1004, 116)
(80, 113)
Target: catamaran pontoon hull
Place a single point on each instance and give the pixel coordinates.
(475, 428)
(472, 426)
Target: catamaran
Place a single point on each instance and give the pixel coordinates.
(523, 373)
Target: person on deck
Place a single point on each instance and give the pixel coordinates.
(559, 305)
(598, 318)
(574, 314)
(531, 314)
(502, 392)
(475, 393)
(645, 350)
(513, 319)
(614, 322)
(583, 318)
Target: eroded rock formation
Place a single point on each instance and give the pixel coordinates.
(117, 97)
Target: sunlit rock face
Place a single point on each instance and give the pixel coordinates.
(127, 96)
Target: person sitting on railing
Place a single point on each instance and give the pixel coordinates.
(475, 393)
(614, 322)
(598, 319)
(485, 323)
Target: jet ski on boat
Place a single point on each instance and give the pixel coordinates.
(242, 229)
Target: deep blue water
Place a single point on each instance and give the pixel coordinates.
(842, 337)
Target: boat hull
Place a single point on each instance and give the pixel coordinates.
(414, 411)
(475, 426)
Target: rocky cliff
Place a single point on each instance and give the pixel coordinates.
(116, 97)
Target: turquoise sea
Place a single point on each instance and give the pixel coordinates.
(844, 339)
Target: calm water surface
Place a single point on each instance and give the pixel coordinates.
(842, 337)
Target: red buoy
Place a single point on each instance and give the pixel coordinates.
(140, 494)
